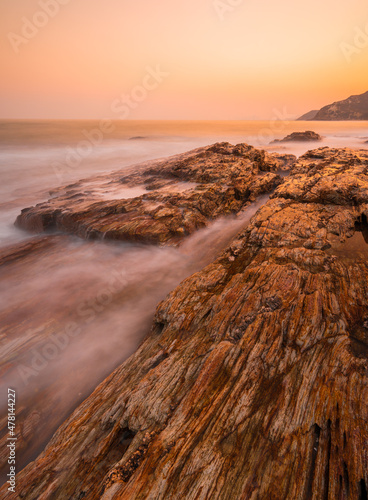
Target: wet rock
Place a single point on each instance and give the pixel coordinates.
(329, 177)
(162, 203)
(253, 380)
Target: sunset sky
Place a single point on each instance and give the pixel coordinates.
(222, 59)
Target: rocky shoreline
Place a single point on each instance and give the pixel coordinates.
(168, 201)
(253, 380)
(155, 191)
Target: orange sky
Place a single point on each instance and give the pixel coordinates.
(222, 59)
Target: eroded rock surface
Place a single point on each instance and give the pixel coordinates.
(167, 201)
(33, 322)
(253, 381)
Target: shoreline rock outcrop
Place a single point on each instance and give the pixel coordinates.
(167, 201)
(253, 381)
(149, 203)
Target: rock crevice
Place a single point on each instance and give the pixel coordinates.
(253, 380)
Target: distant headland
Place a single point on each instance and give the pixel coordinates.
(353, 108)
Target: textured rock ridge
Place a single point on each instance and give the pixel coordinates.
(228, 178)
(176, 196)
(253, 381)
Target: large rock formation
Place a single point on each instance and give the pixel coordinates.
(163, 205)
(354, 107)
(167, 201)
(307, 136)
(253, 381)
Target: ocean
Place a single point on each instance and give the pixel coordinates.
(74, 311)
(38, 156)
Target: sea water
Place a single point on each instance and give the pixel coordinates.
(74, 311)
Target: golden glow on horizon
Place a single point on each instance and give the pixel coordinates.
(261, 56)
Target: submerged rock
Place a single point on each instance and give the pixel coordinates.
(300, 137)
(253, 381)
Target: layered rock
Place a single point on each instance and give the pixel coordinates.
(253, 380)
(165, 202)
(165, 186)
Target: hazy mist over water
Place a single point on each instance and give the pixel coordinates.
(38, 156)
(109, 292)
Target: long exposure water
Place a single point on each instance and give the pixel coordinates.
(71, 310)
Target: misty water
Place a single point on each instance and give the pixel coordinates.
(71, 310)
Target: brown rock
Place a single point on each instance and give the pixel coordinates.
(162, 203)
(253, 381)
(307, 136)
(328, 176)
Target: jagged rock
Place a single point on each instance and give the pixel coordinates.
(328, 176)
(300, 137)
(167, 201)
(253, 381)
(244, 166)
